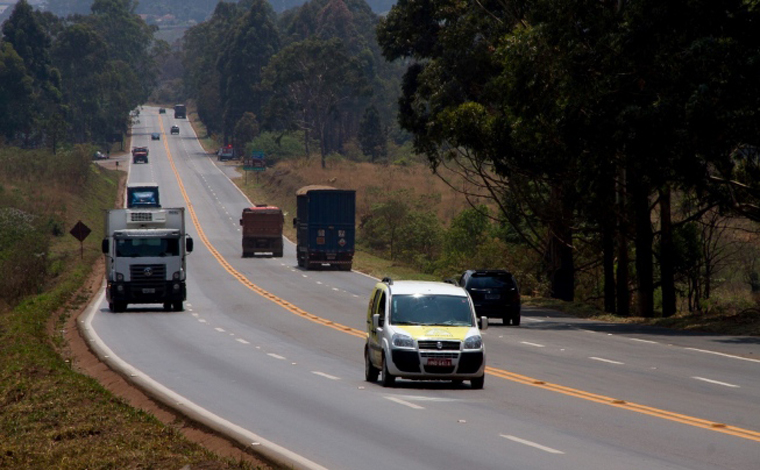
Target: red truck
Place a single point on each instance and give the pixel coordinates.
(139, 154)
(262, 230)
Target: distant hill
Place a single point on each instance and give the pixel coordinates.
(181, 10)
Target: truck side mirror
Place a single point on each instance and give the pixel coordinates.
(295, 222)
(104, 246)
(189, 245)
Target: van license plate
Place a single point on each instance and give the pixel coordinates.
(492, 296)
(149, 290)
(432, 361)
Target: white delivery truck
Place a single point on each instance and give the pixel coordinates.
(145, 252)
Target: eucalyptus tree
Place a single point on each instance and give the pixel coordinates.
(312, 84)
(248, 48)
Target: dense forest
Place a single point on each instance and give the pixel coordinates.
(615, 140)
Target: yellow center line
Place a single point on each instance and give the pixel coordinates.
(618, 403)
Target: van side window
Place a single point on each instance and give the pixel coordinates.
(381, 309)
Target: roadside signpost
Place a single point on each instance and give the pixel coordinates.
(80, 232)
(254, 162)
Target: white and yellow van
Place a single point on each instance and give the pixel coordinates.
(423, 330)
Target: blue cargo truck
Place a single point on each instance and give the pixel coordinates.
(325, 227)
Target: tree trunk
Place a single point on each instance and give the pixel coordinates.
(623, 293)
(644, 238)
(561, 263)
(667, 275)
(608, 247)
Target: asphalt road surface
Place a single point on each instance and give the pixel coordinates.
(274, 354)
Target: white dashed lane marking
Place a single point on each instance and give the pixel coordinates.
(716, 382)
(608, 361)
(531, 444)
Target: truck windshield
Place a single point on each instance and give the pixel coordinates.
(145, 247)
(446, 310)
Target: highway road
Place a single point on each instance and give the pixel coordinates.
(274, 353)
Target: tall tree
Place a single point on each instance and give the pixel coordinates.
(253, 41)
(312, 81)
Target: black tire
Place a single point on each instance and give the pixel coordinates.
(388, 380)
(478, 382)
(119, 306)
(111, 307)
(506, 321)
(178, 307)
(370, 371)
(167, 306)
(516, 320)
(278, 254)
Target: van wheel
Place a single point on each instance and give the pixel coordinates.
(478, 382)
(388, 379)
(370, 371)
(178, 307)
(516, 320)
(167, 306)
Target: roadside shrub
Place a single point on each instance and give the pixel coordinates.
(23, 255)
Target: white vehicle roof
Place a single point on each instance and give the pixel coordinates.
(426, 288)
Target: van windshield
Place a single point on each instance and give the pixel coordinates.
(445, 310)
(146, 247)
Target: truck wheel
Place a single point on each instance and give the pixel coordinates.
(167, 306)
(119, 306)
(300, 262)
(178, 307)
(111, 307)
(278, 254)
(344, 267)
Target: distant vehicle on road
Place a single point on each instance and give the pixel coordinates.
(142, 195)
(262, 230)
(98, 155)
(139, 154)
(175, 130)
(155, 136)
(494, 292)
(325, 227)
(161, 110)
(180, 111)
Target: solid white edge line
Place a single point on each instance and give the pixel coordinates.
(639, 340)
(716, 382)
(531, 444)
(184, 406)
(707, 351)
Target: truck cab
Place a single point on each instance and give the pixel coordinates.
(143, 195)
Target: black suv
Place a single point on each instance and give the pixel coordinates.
(495, 294)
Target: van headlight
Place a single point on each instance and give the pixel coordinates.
(402, 341)
(473, 342)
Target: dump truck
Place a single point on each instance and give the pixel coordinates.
(139, 154)
(325, 227)
(142, 195)
(145, 252)
(262, 230)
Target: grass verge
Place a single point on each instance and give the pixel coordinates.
(52, 415)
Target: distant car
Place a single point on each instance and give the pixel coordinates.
(225, 153)
(495, 294)
(99, 155)
(161, 110)
(155, 136)
(175, 130)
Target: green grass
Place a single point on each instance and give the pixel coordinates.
(53, 416)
